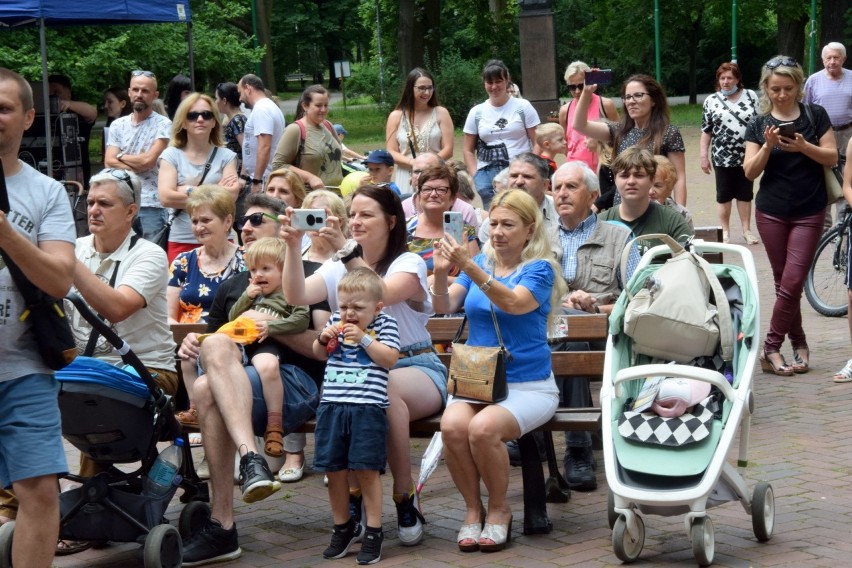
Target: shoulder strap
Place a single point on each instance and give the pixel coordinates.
(303, 134)
(26, 288)
(731, 110)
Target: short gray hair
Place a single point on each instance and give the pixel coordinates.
(589, 177)
(128, 184)
(834, 46)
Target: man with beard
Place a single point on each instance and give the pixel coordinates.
(263, 131)
(136, 142)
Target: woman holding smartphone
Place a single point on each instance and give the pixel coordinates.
(790, 203)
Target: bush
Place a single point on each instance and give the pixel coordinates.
(366, 82)
(459, 86)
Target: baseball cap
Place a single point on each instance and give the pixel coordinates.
(379, 157)
(340, 130)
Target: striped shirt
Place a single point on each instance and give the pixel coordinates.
(350, 375)
(835, 96)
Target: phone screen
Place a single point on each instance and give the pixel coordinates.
(599, 77)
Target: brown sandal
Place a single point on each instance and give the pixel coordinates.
(801, 359)
(188, 417)
(273, 440)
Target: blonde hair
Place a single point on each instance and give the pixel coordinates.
(267, 248)
(794, 73)
(217, 198)
(362, 279)
(575, 67)
(179, 123)
(546, 131)
(335, 205)
(666, 169)
(297, 186)
(537, 247)
(603, 150)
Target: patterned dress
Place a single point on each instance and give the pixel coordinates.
(197, 287)
(726, 121)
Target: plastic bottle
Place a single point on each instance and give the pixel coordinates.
(164, 472)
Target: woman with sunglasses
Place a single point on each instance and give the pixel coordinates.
(309, 145)
(417, 385)
(417, 125)
(194, 156)
(599, 108)
(791, 199)
(645, 124)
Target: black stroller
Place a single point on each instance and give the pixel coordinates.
(117, 416)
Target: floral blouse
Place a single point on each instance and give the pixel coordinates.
(199, 287)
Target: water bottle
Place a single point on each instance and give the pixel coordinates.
(164, 473)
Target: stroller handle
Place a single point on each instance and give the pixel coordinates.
(683, 371)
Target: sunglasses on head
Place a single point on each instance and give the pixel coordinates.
(777, 62)
(205, 114)
(122, 176)
(140, 72)
(256, 219)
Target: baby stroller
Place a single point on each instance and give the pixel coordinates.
(117, 415)
(650, 473)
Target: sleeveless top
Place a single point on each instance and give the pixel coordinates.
(577, 149)
(425, 139)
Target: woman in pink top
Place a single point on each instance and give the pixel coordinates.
(600, 107)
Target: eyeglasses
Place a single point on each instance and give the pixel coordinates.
(443, 190)
(140, 72)
(124, 177)
(777, 62)
(256, 219)
(576, 87)
(424, 88)
(634, 97)
(205, 114)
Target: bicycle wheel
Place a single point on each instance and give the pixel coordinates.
(825, 288)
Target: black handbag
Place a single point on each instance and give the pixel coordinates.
(46, 315)
(478, 373)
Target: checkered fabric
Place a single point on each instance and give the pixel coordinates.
(649, 428)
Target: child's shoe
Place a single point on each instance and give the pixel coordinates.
(371, 546)
(273, 441)
(343, 537)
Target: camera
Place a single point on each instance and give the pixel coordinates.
(599, 77)
(308, 219)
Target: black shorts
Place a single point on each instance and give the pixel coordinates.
(731, 183)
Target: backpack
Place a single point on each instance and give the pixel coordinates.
(681, 312)
(303, 135)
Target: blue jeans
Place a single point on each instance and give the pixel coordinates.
(483, 180)
(152, 220)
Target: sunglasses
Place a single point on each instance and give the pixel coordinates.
(205, 114)
(575, 87)
(140, 72)
(122, 176)
(777, 62)
(256, 219)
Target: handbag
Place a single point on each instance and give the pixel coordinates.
(52, 331)
(161, 237)
(833, 174)
(478, 373)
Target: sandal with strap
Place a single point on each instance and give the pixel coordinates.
(273, 441)
(782, 369)
(66, 547)
(801, 359)
(750, 239)
(844, 375)
(188, 418)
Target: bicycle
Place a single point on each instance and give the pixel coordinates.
(825, 287)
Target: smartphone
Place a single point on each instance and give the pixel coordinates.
(599, 77)
(787, 130)
(308, 219)
(454, 225)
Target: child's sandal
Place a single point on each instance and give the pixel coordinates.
(273, 440)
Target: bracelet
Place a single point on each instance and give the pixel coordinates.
(597, 309)
(437, 295)
(487, 284)
(320, 341)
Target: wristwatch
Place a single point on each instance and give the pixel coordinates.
(119, 157)
(349, 251)
(366, 341)
(256, 181)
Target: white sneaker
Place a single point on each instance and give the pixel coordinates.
(409, 519)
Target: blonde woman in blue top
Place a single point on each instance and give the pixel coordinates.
(518, 276)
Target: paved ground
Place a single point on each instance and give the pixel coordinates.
(798, 443)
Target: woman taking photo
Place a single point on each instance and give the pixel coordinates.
(195, 156)
(497, 130)
(438, 188)
(791, 199)
(318, 249)
(517, 277)
(726, 117)
(314, 155)
(645, 124)
(417, 385)
(417, 125)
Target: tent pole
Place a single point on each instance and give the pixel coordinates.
(191, 56)
(48, 137)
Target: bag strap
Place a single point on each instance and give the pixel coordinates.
(731, 110)
(675, 247)
(207, 166)
(460, 331)
(31, 293)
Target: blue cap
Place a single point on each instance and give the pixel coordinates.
(379, 157)
(340, 130)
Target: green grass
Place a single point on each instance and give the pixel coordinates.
(686, 115)
(365, 124)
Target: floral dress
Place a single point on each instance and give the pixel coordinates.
(197, 287)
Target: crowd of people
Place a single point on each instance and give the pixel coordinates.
(342, 305)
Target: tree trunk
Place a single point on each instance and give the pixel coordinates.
(409, 38)
(832, 23)
(497, 8)
(694, 39)
(431, 26)
(267, 67)
(791, 36)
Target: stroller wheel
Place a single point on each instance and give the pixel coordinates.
(7, 531)
(703, 541)
(192, 518)
(611, 515)
(763, 511)
(625, 547)
(163, 548)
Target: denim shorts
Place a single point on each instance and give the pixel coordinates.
(301, 398)
(428, 363)
(350, 436)
(30, 429)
